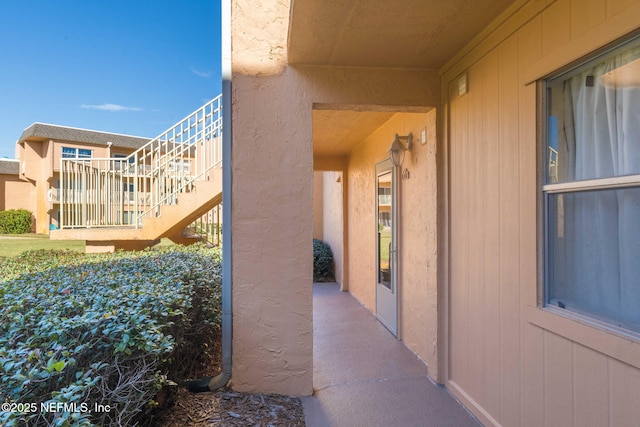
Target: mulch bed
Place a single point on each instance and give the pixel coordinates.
(229, 408)
(181, 408)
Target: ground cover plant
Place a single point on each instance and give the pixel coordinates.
(91, 339)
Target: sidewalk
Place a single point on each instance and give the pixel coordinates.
(363, 376)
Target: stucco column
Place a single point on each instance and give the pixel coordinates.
(272, 209)
(272, 220)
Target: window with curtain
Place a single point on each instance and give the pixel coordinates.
(592, 189)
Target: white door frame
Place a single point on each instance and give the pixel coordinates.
(387, 290)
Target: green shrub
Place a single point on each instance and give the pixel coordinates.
(15, 221)
(322, 262)
(108, 329)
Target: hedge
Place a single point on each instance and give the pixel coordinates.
(323, 270)
(15, 221)
(108, 330)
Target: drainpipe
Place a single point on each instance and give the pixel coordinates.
(221, 380)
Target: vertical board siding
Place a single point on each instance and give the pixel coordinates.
(586, 14)
(556, 26)
(624, 394)
(459, 294)
(614, 7)
(558, 379)
(510, 371)
(532, 384)
(475, 216)
(491, 240)
(532, 350)
(509, 234)
(591, 387)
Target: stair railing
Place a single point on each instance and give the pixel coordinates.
(208, 228)
(116, 192)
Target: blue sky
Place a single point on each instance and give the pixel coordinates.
(125, 66)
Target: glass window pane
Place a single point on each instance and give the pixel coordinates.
(594, 118)
(83, 153)
(68, 152)
(593, 254)
(384, 229)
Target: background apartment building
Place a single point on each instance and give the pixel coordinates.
(34, 179)
(14, 192)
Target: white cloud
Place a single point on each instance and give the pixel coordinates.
(205, 74)
(110, 107)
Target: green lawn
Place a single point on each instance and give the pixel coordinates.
(12, 245)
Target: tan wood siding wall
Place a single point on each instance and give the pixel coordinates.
(509, 361)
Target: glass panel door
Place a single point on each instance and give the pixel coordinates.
(386, 245)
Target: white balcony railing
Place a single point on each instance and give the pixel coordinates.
(53, 195)
(553, 165)
(384, 199)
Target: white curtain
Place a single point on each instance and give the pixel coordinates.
(597, 263)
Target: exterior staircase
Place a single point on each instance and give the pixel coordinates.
(170, 187)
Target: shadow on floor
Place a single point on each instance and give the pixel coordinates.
(363, 376)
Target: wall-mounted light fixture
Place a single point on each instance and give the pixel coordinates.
(397, 149)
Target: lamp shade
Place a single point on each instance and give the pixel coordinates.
(396, 152)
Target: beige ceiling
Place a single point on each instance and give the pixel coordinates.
(422, 34)
(338, 132)
(386, 33)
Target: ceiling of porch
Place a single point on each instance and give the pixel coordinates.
(338, 132)
(415, 34)
(421, 34)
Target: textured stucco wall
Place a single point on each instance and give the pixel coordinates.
(15, 193)
(31, 169)
(273, 210)
(318, 205)
(418, 226)
(30, 160)
(36, 164)
(362, 218)
(418, 241)
(272, 223)
(333, 219)
(272, 185)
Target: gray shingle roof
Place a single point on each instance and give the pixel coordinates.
(9, 167)
(63, 133)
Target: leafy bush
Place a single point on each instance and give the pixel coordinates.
(322, 262)
(15, 221)
(106, 329)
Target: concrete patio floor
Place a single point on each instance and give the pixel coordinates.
(363, 376)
